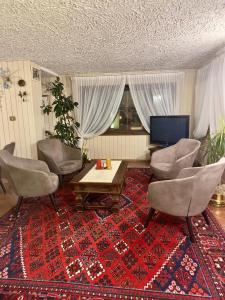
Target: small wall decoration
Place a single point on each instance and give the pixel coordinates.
(36, 74)
(5, 82)
(23, 95)
(6, 78)
(21, 82)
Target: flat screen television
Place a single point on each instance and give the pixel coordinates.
(168, 130)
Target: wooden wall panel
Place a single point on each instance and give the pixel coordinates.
(22, 130)
(119, 147)
(37, 102)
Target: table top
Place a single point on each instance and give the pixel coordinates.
(102, 175)
(117, 179)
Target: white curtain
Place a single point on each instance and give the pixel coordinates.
(99, 99)
(210, 97)
(156, 94)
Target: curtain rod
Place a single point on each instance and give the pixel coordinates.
(48, 71)
(126, 73)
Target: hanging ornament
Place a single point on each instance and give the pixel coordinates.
(5, 76)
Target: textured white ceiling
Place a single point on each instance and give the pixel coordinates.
(82, 36)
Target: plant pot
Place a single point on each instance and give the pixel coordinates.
(218, 198)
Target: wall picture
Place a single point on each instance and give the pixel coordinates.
(36, 74)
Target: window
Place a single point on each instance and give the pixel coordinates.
(126, 121)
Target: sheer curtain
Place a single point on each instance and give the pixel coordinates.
(156, 94)
(210, 97)
(99, 99)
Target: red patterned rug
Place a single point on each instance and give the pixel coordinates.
(101, 255)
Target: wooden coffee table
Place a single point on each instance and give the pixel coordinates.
(83, 188)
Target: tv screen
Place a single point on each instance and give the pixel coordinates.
(168, 130)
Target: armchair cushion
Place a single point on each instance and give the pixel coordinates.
(69, 166)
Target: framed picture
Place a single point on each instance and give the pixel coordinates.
(36, 74)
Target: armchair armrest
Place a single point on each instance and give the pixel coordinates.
(164, 155)
(188, 172)
(184, 162)
(187, 160)
(70, 153)
(32, 164)
(171, 196)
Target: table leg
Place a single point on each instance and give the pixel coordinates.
(79, 202)
(115, 203)
(124, 183)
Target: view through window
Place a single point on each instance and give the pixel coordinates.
(126, 120)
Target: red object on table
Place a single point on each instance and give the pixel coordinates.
(99, 164)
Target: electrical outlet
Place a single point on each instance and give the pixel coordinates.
(12, 118)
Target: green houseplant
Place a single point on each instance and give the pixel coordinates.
(216, 145)
(63, 108)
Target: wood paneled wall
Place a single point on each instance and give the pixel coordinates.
(119, 147)
(37, 102)
(22, 130)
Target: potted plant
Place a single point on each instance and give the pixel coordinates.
(63, 108)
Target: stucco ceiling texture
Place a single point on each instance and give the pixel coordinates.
(83, 36)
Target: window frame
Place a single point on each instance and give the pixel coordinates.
(125, 132)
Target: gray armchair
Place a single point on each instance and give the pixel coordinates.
(28, 177)
(60, 158)
(167, 163)
(10, 148)
(187, 195)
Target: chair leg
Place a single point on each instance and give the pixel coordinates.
(19, 203)
(204, 213)
(149, 217)
(52, 198)
(60, 179)
(190, 229)
(2, 185)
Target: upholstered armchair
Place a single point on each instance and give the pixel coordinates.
(187, 195)
(60, 158)
(10, 148)
(28, 177)
(167, 163)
